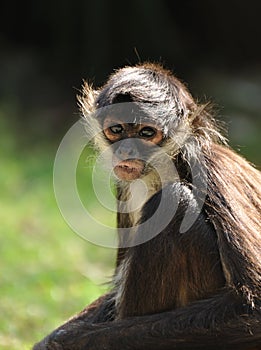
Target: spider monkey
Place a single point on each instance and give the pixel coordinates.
(192, 288)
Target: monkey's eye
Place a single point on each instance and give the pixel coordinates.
(116, 129)
(147, 132)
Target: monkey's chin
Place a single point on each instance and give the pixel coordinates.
(129, 170)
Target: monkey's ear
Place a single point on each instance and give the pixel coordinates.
(87, 99)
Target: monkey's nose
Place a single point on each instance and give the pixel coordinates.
(127, 153)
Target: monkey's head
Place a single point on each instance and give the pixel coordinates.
(140, 110)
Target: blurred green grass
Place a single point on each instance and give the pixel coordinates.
(48, 273)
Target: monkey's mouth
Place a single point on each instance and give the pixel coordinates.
(129, 169)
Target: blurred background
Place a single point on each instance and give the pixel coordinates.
(47, 48)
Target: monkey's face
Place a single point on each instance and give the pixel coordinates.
(133, 144)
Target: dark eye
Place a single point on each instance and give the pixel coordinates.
(147, 131)
(116, 129)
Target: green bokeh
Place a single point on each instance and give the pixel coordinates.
(47, 272)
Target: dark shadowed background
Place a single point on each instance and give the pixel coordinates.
(46, 49)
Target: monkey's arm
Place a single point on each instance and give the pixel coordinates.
(203, 324)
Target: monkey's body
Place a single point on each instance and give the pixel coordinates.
(176, 262)
(193, 289)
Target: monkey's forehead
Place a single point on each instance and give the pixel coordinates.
(128, 112)
(138, 113)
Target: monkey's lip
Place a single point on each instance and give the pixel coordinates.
(129, 169)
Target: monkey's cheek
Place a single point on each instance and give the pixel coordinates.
(128, 171)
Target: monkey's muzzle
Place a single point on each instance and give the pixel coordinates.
(129, 169)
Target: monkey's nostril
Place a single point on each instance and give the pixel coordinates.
(131, 152)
